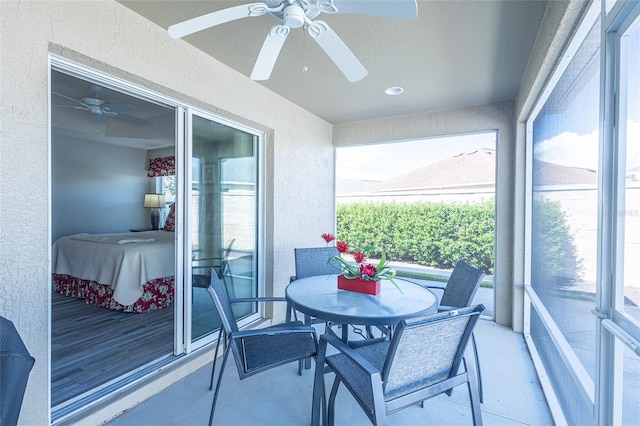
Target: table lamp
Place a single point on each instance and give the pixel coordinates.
(154, 202)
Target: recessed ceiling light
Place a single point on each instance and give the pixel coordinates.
(394, 91)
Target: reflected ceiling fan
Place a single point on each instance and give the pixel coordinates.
(101, 109)
(295, 14)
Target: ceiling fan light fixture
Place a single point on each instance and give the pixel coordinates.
(394, 91)
(293, 16)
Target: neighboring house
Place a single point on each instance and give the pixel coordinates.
(465, 177)
(296, 160)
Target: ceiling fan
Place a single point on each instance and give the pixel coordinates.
(295, 14)
(101, 109)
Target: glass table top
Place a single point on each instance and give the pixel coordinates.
(320, 297)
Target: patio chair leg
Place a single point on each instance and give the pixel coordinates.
(215, 358)
(215, 394)
(319, 401)
(475, 354)
(332, 399)
(307, 361)
(472, 386)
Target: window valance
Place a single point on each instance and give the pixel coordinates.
(164, 166)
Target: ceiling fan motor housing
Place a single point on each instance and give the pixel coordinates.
(293, 16)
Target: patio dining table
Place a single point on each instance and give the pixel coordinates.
(320, 297)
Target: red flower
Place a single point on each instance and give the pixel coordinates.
(328, 237)
(358, 257)
(368, 269)
(342, 247)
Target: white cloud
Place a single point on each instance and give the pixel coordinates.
(574, 150)
(570, 149)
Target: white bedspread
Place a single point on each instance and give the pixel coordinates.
(110, 238)
(125, 262)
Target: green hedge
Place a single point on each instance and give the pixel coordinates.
(431, 234)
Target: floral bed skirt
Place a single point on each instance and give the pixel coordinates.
(158, 293)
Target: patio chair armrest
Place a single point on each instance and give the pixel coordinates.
(273, 331)
(443, 308)
(435, 287)
(360, 361)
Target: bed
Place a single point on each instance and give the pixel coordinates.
(132, 272)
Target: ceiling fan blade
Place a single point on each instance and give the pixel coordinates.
(71, 99)
(118, 107)
(83, 108)
(218, 17)
(339, 53)
(406, 9)
(269, 52)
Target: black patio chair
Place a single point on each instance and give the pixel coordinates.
(423, 359)
(256, 350)
(15, 365)
(459, 291)
(311, 262)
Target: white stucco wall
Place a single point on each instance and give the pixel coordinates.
(497, 117)
(108, 37)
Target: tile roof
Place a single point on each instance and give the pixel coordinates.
(477, 168)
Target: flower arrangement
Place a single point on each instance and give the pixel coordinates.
(361, 269)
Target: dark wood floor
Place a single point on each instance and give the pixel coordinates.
(91, 346)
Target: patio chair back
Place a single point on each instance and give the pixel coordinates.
(427, 350)
(424, 358)
(313, 261)
(220, 298)
(462, 285)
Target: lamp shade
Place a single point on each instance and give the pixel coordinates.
(154, 200)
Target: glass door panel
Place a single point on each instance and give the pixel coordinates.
(222, 219)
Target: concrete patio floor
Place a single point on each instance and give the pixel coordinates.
(512, 395)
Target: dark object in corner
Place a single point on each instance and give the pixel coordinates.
(15, 365)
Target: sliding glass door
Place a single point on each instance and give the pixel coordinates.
(221, 219)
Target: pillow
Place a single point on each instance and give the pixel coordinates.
(170, 223)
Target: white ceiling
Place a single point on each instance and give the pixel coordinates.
(456, 53)
(145, 125)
